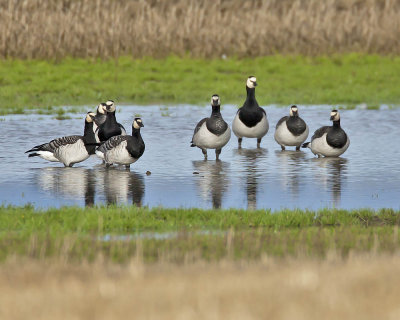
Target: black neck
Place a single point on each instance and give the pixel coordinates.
(251, 95)
(135, 132)
(336, 123)
(216, 111)
(111, 117)
(88, 134)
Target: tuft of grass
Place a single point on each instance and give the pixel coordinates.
(282, 80)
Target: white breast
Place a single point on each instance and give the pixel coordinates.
(119, 155)
(285, 138)
(258, 131)
(72, 153)
(208, 140)
(320, 146)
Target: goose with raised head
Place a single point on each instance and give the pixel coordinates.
(110, 127)
(212, 132)
(250, 120)
(70, 149)
(329, 141)
(291, 130)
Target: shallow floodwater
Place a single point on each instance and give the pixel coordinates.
(367, 175)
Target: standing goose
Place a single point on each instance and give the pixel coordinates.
(212, 132)
(110, 126)
(123, 149)
(71, 149)
(329, 141)
(250, 120)
(292, 130)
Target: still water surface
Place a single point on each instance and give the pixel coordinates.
(367, 175)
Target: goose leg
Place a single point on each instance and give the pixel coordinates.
(205, 153)
(240, 143)
(297, 148)
(258, 142)
(217, 153)
(127, 167)
(283, 148)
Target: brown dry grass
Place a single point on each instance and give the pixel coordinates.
(201, 28)
(358, 288)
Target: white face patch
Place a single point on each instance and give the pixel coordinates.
(250, 82)
(88, 117)
(110, 105)
(136, 123)
(215, 100)
(335, 116)
(293, 110)
(101, 109)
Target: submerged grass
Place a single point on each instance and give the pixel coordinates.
(340, 80)
(178, 235)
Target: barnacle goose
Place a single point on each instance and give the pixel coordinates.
(71, 149)
(250, 120)
(212, 132)
(329, 141)
(123, 149)
(110, 126)
(291, 130)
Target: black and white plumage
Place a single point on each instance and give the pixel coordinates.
(101, 115)
(291, 130)
(71, 149)
(250, 120)
(329, 141)
(125, 149)
(110, 127)
(212, 132)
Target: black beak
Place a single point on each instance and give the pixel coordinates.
(255, 84)
(92, 117)
(332, 117)
(140, 124)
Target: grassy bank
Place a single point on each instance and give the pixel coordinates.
(178, 235)
(344, 79)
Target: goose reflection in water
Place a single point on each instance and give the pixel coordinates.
(74, 183)
(249, 159)
(332, 176)
(121, 186)
(213, 180)
(118, 186)
(290, 163)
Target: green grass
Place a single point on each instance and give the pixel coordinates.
(80, 233)
(339, 80)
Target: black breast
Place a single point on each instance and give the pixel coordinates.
(108, 131)
(296, 125)
(251, 116)
(135, 146)
(336, 137)
(216, 125)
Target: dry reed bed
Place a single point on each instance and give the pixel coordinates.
(358, 288)
(201, 28)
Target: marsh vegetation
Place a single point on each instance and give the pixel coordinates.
(206, 28)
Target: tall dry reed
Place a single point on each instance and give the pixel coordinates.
(200, 28)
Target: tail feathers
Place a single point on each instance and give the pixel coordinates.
(36, 148)
(306, 145)
(193, 145)
(33, 155)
